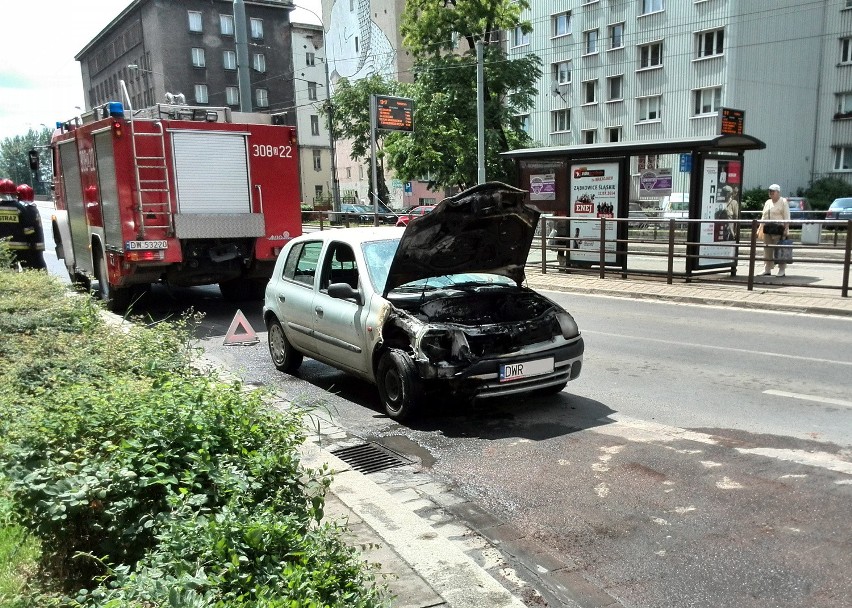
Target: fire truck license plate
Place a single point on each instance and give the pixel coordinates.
(9, 218)
(137, 245)
(516, 371)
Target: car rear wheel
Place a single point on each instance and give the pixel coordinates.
(116, 299)
(284, 356)
(400, 388)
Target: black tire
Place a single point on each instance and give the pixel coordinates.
(400, 388)
(285, 358)
(116, 299)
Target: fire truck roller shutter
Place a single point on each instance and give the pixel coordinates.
(212, 183)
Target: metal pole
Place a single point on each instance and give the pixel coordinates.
(480, 111)
(242, 55)
(374, 170)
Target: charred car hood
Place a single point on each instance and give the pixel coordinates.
(487, 228)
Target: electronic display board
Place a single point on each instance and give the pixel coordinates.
(394, 113)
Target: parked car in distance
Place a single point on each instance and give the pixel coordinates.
(637, 216)
(800, 209)
(416, 212)
(437, 308)
(352, 212)
(840, 209)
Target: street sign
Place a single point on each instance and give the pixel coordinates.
(685, 163)
(731, 122)
(394, 113)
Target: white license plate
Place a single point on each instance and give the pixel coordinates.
(142, 245)
(516, 371)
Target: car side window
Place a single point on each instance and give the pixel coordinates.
(302, 261)
(340, 266)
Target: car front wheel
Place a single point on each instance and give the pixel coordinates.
(284, 356)
(400, 388)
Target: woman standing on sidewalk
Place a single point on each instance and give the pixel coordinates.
(776, 214)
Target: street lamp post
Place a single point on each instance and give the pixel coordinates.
(335, 186)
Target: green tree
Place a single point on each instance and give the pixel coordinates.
(14, 162)
(444, 142)
(824, 190)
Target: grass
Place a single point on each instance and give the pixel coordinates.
(19, 555)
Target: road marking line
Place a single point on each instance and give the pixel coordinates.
(826, 400)
(724, 348)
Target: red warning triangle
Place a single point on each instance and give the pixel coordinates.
(248, 336)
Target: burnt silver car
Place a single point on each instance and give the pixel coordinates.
(437, 306)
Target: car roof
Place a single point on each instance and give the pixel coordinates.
(842, 202)
(353, 236)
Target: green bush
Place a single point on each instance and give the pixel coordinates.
(148, 482)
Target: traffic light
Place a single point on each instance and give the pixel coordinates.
(33, 156)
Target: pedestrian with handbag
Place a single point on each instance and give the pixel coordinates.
(775, 226)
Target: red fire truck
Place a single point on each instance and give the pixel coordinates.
(175, 194)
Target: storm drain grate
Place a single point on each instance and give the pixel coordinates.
(370, 458)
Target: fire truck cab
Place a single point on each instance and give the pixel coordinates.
(175, 194)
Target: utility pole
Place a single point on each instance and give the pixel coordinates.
(241, 41)
(480, 111)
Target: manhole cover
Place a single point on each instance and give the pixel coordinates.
(370, 458)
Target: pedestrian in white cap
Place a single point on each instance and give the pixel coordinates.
(776, 226)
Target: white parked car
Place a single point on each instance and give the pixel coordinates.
(437, 306)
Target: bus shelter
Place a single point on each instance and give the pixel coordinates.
(678, 179)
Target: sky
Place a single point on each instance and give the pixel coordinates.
(40, 82)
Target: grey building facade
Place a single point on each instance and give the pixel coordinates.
(633, 70)
(189, 47)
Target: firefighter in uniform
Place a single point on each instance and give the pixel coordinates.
(20, 224)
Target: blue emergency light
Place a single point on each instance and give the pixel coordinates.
(116, 109)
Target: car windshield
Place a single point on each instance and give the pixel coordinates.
(379, 255)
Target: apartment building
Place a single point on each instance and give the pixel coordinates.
(189, 48)
(634, 70)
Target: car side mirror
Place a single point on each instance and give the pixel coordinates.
(344, 291)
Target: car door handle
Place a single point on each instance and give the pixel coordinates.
(282, 298)
(318, 310)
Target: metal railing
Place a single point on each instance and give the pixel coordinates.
(662, 248)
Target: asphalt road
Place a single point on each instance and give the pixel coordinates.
(703, 458)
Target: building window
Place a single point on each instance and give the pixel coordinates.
(194, 21)
(652, 6)
(256, 28)
(258, 62)
(232, 96)
(846, 50)
(226, 25)
(647, 162)
(317, 160)
(318, 192)
(229, 60)
(590, 42)
(651, 55)
(314, 124)
(312, 91)
(843, 159)
(310, 59)
(561, 23)
(649, 108)
(710, 44)
(844, 104)
(590, 91)
(197, 58)
(519, 38)
(525, 122)
(616, 36)
(261, 98)
(613, 134)
(562, 72)
(560, 121)
(590, 136)
(201, 93)
(707, 101)
(615, 88)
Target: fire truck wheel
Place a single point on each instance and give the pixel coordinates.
(116, 299)
(241, 290)
(284, 356)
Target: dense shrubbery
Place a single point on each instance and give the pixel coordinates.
(148, 483)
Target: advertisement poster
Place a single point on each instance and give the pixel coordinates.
(720, 202)
(655, 183)
(594, 195)
(543, 187)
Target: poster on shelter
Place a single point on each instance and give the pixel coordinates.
(594, 196)
(720, 209)
(543, 187)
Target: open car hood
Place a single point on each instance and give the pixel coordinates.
(487, 228)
